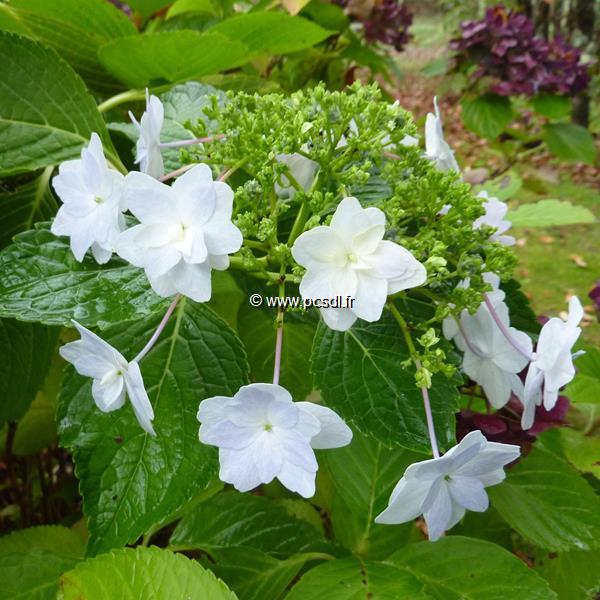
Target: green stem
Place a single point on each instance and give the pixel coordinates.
(129, 96)
(299, 223)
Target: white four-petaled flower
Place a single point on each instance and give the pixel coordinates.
(113, 377)
(437, 148)
(443, 489)
(185, 231)
(552, 365)
(488, 357)
(92, 203)
(262, 434)
(148, 154)
(350, 258)
(495, 211)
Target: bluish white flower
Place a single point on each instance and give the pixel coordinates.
(350, 258)
(489, 358)
(185, 231)
(552, 365)
(262, 434)
(91, 195)
(437, 149)
(113, 377)
(495, 211)
(148, 154)
(443, 489)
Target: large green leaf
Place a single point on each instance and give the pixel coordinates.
(487, 115)
(553, 107)
(519, 307)
(170, 56)
(456, 568)
(21, 208)
(549, 503)
(361, 376)
(266, 32)
(547, 213)
(76, 30)
(31, 561)
(364, 474)
(40, 280)
(585, 388)
(572, 575)
(130, 480)
(256, 328)
(570, 142)
(46, 113)
(234, 519)
(253, 575)
(352, 578)
(26, 350)
(148, 7)
(140, 574)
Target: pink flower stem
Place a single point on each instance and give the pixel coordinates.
(202, 140)
(177, 172)
(503, 328)
(278, 345)
(391, 155)
(466, 338)
(158, 331)
(429, 416)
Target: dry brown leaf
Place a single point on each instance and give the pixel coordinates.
(578, 260)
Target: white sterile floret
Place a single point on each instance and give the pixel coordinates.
(113, 377)
(350, 258)
(185, 231)
(443, 489)
(437, 149)
(495, 211)
(262, 434)
(489, 358)
(552, 365)
(91, 210)
(148, 154)
(302, 169)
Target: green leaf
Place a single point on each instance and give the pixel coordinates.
(234, 519)
(351, 578)
(582, 451)
(253, 575)
(256, 328)
(360, 375)
(457, 567)
(51, 538)
(133, 574)
(180, 7)
(572, 575)
(267, 32)
(546, 501)
(46, 113)
(585, 388)
(330, 16)
(553, 107)
(26, 350)
(148, 7)
(519, 307)
(364, 475)
(170, 57)
(487, 115)
(21, 208)
(31, 561)
(548, 213)
(130, 480)
(569, 141)
(76, 30)
(40, 280)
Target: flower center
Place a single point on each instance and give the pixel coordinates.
(99, 200)
(177, 232)
(447, 477)
(352, 257)
(268, 427)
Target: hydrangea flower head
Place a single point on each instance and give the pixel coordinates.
(148, 154)
(443, 489)
(437, 148)
(185, 231)
(262, 434)
(113, 377)
(91, 195)
(350, 258)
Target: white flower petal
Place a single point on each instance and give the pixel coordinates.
(139, 397)
(406, 503)
(333, 433)
(468, 492)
